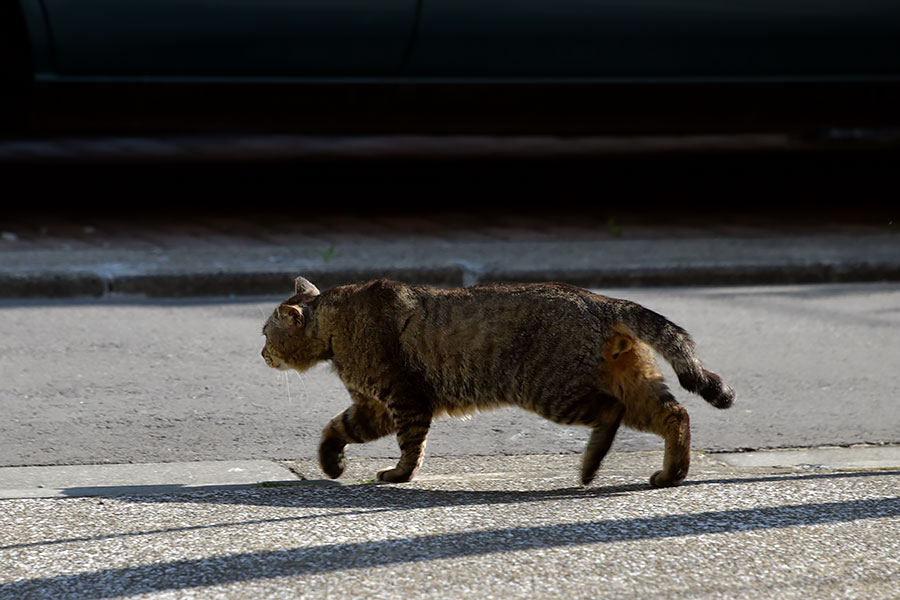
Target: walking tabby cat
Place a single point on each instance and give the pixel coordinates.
(408, 354)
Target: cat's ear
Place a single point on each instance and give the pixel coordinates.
(305, 291)
(291, 314)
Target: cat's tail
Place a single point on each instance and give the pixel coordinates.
(677, 347)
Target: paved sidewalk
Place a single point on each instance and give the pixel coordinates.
(70, 481)
(474, 527)
(260, 253)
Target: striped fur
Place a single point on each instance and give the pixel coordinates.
(408, 354)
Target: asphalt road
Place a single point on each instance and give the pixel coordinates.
(87, 382)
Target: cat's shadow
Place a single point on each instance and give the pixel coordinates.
(331, 494)
(377, 497)
(383, 495)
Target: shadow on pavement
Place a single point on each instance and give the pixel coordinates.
(378, 495)
(310, 560)
(375, 498)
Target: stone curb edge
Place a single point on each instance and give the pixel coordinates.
(108, 480)
(71, 481)
(86, 283)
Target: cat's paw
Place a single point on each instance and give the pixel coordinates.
(660, 480)
(335, 466)
(394, 475)
(332, 461)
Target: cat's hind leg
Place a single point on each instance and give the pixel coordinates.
(364, 421)
(674, 425)
(660, 413)
(595, 409)
(605, 426)
(651, 407)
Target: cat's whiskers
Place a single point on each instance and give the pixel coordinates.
(287, 384)
(303, 383)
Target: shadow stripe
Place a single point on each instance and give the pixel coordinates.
(335, 557)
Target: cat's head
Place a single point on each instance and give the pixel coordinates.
(291, 340)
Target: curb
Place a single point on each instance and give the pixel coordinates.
(72, 481)
(230, 283)
(862, 457)
(167, 478)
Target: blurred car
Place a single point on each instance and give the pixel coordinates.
(561, 66)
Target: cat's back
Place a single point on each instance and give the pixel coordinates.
(503, 337)
(473, 316)
(508, 305)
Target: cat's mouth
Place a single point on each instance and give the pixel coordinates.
(274, 361)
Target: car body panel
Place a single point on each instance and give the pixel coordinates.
(198, 38)
(496, 40)
(38, 35)
(450, 66)
(658, 39)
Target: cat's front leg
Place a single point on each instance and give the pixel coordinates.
(366, 420)
(412, 430)
(331, 454)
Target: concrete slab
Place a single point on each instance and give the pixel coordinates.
(166, 478)
(149, 478)
(826, 457)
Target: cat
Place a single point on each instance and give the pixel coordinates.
(408, 354)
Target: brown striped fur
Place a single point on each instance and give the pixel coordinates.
(408, 354)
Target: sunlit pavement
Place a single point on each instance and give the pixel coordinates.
(503, 527)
